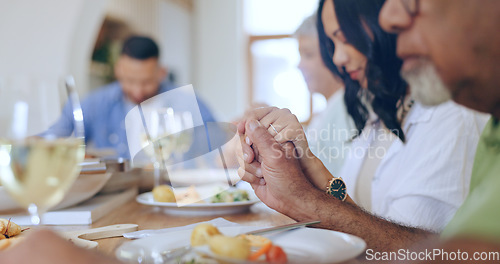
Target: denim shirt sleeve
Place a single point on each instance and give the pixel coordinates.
(64, 125)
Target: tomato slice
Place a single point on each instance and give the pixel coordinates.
(276, 255)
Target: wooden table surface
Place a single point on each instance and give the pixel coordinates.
(149, 217)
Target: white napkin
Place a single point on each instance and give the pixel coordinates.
(217, 222)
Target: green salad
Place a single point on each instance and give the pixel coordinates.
(229, 196)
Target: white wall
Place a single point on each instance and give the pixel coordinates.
(46, 40)
(48, 37)
(219, 56)
(91, 16)
(175, 29)
(140, 15)
(36, 36)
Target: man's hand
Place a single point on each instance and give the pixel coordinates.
(279, 182)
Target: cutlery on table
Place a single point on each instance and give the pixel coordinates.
(82, 238)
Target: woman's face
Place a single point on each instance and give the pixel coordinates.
(318, 77)
(345, 55)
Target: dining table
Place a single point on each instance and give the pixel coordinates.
(152, 217)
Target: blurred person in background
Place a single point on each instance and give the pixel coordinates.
(330, 132)
(140, 77)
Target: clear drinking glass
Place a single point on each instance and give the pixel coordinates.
(169, 133)
(184, 138)
(39, 160)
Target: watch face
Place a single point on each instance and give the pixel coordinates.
(338, 189)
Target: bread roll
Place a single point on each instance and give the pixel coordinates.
(163, 194)
(11, 230)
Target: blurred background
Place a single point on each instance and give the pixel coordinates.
(234, 52)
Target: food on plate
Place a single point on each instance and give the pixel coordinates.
(241, 247)
(276, 255)
(8, 231)
(256, 241)
(202, 233)
(230, 247)
(229, 196)
(189, 196)
(164, 194)
(261, 251)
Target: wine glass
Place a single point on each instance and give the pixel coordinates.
(169, 133)
(158, 141)
(184, 138)
(39, 160)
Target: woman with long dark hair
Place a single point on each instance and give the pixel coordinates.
(409, 164)
(354, 47)
(376, 68)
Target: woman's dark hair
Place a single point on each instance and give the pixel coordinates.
(382, 72)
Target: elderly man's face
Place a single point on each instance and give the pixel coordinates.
(459, 38)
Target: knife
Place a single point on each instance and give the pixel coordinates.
(82, 238)
(282, 228)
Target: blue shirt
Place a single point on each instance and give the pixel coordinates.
(104, 114)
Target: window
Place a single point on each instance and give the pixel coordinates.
(273, 54)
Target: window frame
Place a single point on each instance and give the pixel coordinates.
(250, 64)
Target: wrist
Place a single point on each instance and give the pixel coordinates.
(306, 206)
(317, 173)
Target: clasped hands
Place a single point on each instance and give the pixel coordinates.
(276, 160)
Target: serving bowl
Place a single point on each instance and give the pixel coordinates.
(84, 187)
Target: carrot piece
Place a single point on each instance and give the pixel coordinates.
(263, 250)
(276, 255)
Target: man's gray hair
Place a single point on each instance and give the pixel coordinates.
(307, 28)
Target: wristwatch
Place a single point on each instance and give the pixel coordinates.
(337, 188)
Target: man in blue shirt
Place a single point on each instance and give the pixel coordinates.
(140, 77)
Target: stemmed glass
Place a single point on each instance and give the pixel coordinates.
(39, 160)
(184, 138)
(169, 133)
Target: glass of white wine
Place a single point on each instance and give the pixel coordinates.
(184, 138)
(39, 157)
(169, 133)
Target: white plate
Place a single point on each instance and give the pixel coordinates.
(305, 245)
(206, 208)
(181, 178)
